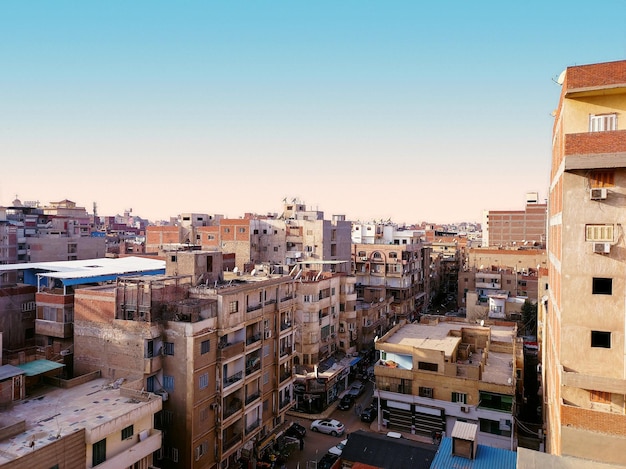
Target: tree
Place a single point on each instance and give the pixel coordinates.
(529, 316)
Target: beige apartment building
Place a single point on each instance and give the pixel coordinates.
(583, 350)
(218, 351)
(395, 260)
(85, 422)
(432, 374)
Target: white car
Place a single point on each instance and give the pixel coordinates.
(338, 449)
(330, 426)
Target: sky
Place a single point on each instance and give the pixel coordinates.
(403, 110)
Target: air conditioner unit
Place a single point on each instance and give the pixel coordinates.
(164, 395)
(363, 258)
(465, 409)
(268, 334)
(65, 352)
(597, 193)
(602, 248)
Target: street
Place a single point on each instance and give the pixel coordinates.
(317, 444)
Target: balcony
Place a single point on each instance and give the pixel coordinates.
(253, 397)
(228, 350)
(253, 364)
(232, 379)
(253, 339)
(61, 330)
(146, 444)
(152, 364)
(253, 426)
(231, 441)
(287, 402)
(591, 150)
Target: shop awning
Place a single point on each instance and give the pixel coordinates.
(39, 367)
(354, 361)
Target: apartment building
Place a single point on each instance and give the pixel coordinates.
(385, 256)
(298, 236)
(218, 351)
(516, 227)
(85, 423)
(59, 231)
(432, 374)
(584, 324)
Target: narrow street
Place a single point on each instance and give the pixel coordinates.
(317, 444)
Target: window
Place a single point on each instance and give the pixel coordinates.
(99, 452)
(599, 233)
(602, 179)
(173, 258)
(233, 307)
(174, 454)
(168, 383)
(600, 397)
(168, 348)
(266, 377)
(427, 366)
(210, 237)
(426, 392)
(205, 346)
(393, 255)
(201, 449)
(150, 383)
(203, 381)
(602, 286)
(226, 230)
(459, 397)
(601, 339)
(602, 122)
(502, 427)
(242, 230)
(128, 432)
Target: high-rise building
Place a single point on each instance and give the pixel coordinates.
(584, 343)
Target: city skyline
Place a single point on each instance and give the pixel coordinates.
(406, 112)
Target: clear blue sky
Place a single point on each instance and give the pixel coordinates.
(373, 109)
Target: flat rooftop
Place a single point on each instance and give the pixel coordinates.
(438, 337)
(57, 412)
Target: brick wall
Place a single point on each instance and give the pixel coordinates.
(595, 421)
(595, 142)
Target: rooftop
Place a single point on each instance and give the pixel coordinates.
(57, 412)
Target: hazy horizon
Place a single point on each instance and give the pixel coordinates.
(403, 111)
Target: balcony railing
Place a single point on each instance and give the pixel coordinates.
(251, 308)
(285, 376)
(231, 441)
(252, 397)
(252, 426)
(230, 380)
(232, 408)
(286, 402)
(252, 339)
(227, 351)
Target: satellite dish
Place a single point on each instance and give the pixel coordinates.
(561, 78)
(236, 269)
(482, 323)
(253, 273)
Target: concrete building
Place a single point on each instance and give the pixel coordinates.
(218, 351)
(60, 231)
(85, 423)
(397, 262)
(435, 373)
(584, 325)
(516, 227)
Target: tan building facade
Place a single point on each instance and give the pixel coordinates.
(583, 331)
(432, 374)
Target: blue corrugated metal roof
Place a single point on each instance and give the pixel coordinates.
(486, 458)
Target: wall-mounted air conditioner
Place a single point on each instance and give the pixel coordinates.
(601, 248)
(597, 193)
(465, 409)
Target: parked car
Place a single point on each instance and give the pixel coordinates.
(327, 461)
(330, 426)
(356, 389)
(369, 414)
(296, 431)
(346, 402)
(338, 448)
